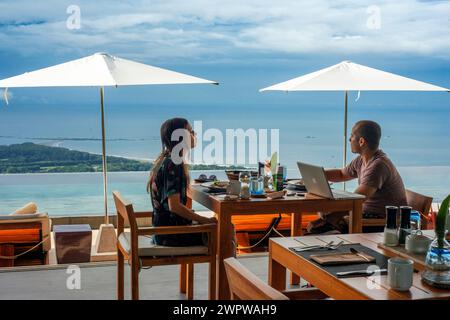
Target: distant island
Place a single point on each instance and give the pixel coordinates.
(35, 158)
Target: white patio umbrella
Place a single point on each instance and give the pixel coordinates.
(348, 76)
(99, 70)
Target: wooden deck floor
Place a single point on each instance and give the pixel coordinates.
(98, 281)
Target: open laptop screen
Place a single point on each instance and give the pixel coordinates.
(315, 180)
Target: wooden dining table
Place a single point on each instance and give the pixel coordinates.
(281, 258)
(294, 205)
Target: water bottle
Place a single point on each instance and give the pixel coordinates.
(415, 220)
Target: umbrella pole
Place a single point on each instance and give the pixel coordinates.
(105, 180)
(106, 237)
(344, 162)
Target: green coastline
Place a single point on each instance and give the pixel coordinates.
(29, 157)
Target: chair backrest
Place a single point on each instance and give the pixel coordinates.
(244, 285)
(419, 202)
(125, 211)
(422, 204)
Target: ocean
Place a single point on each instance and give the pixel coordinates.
(415, 137)
(63, 194)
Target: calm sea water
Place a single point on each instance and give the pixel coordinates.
(415, 136)
(82, 193)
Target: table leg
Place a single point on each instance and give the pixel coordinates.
(183, 266)
(355, 217)
(277, 273)
(183, 272)
(224, 250)
(296, 230)
(189, 202)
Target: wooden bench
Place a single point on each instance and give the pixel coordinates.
(252, 227)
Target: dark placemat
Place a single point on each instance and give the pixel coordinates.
(381, 260)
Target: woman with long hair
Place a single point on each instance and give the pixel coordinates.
(168, 184)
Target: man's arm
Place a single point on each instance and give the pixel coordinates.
(365, 190)
(337, 175)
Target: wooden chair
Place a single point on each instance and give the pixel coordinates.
(415, 200)
(420, 203)
(136, 247)
(244, 285)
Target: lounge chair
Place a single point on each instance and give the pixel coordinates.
(24, 239)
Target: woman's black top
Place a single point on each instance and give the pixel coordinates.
(170, 179)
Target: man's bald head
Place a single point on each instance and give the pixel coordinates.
(370, 131)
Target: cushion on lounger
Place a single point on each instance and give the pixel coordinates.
(29, 208)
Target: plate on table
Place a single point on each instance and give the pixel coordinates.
(203, 180)
(216, 185)
(261, 195)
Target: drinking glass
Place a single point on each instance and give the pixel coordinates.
(257, 185)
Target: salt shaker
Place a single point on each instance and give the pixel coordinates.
(244, 178)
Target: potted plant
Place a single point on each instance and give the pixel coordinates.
(438, 256)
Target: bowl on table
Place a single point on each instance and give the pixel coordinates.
(234, 174)
(204, 178)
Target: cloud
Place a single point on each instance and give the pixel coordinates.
(200, 29)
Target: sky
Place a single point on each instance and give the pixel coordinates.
(245, 45)
(252, 43)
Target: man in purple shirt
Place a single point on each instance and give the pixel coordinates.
(378, 179)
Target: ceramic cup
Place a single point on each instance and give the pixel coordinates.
(234, 187)
(417, 243)
(400, 273)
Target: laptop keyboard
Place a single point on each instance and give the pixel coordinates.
(339, 194)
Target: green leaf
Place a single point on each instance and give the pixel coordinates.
(441, 220)
(274, 163)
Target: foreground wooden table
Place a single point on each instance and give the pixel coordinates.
(293, 205)
(281, 258)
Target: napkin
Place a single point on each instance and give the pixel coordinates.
(341, 258)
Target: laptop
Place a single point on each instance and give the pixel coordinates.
(316, 182)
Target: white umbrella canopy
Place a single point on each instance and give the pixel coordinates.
(99, 70)
(348, 76)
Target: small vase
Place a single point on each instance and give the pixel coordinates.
(438, 264)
